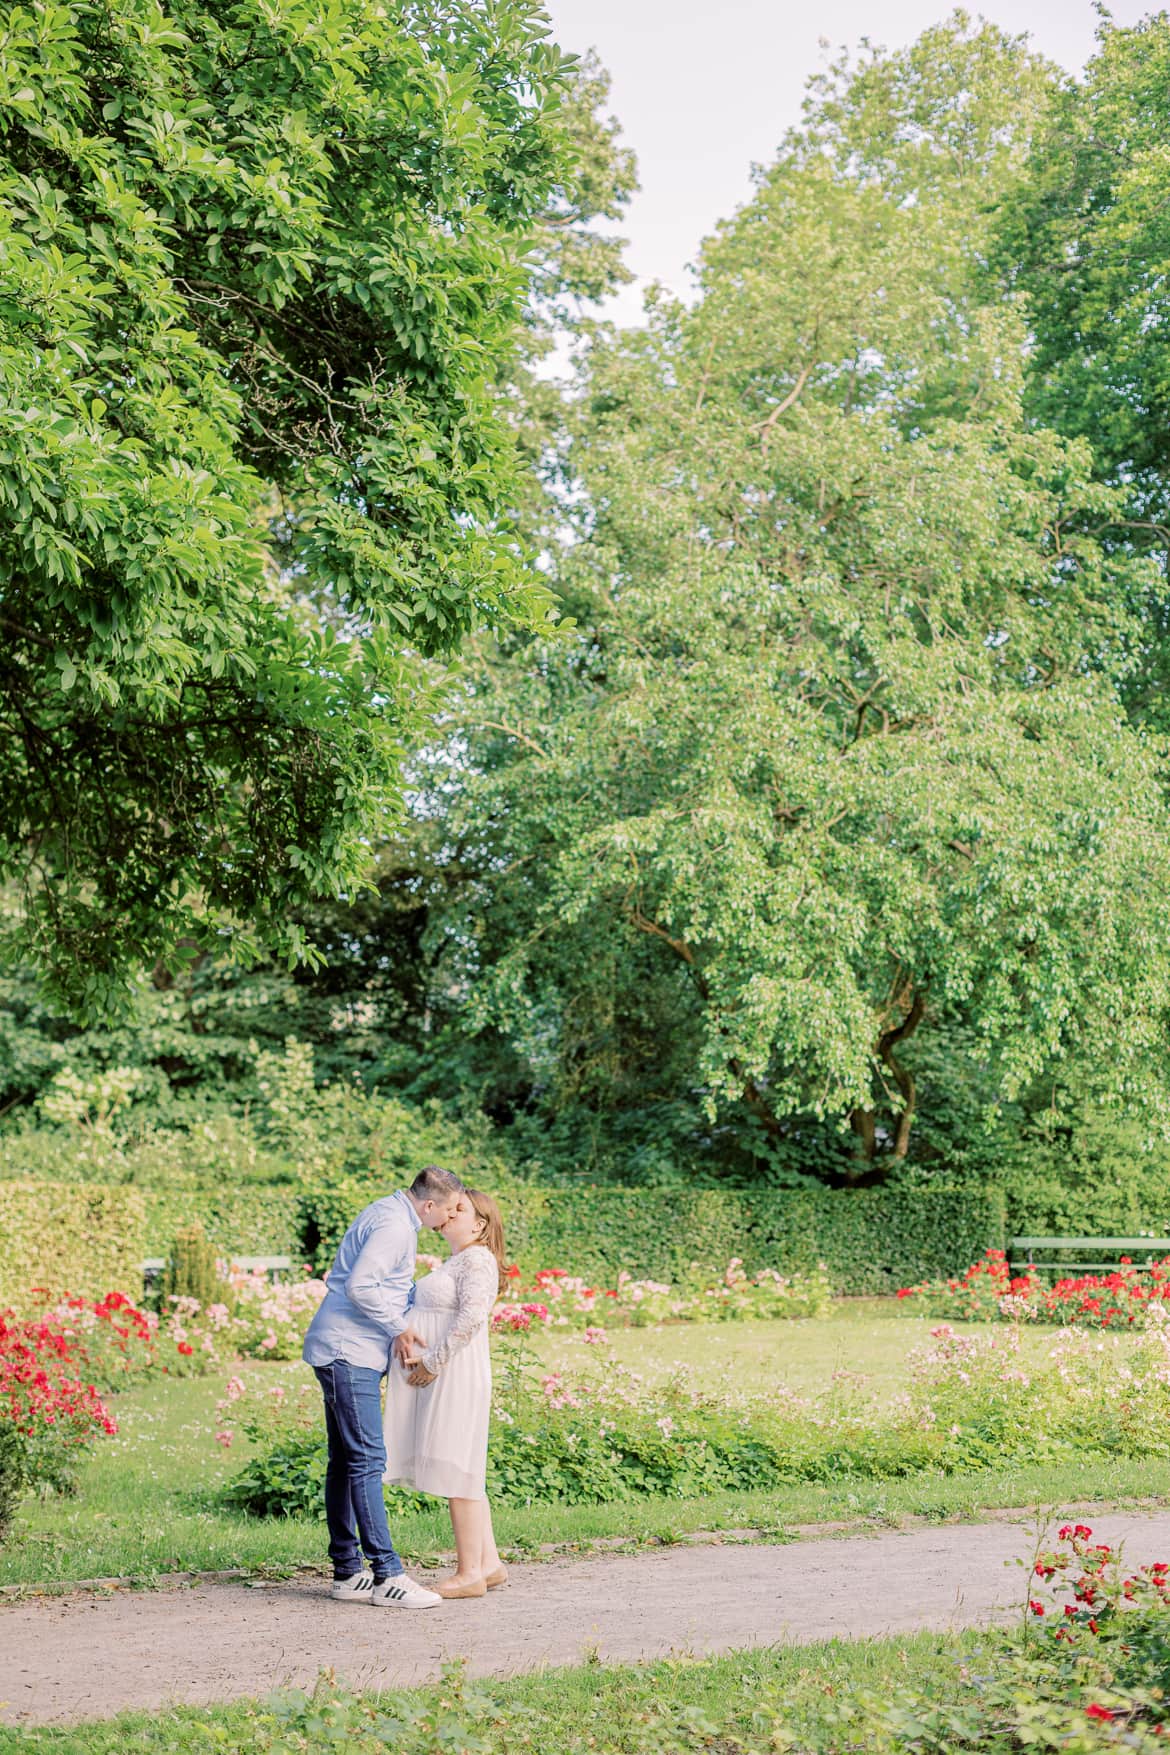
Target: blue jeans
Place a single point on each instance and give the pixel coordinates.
(353, 1477)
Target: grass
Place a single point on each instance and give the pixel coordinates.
(146, 1504)
(587, 1707)
(860, 1338)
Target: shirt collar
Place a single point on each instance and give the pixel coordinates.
(410, 1207)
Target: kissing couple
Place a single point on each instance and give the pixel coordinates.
(431, 1342)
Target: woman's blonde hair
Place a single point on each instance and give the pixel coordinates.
(492, 1235)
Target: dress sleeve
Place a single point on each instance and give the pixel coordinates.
(477, 1288)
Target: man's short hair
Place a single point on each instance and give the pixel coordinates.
(435, 1184)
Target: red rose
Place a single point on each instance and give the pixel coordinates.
(1096, 1711)
(186, 1349)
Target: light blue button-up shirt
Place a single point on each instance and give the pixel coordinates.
(370, 1287)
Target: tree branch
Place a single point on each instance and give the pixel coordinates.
(793, 396)
(509, 731)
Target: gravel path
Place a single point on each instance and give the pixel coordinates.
(90, 1655)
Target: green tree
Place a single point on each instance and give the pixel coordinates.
(837, 750)
(263, 272)
(1085, 238)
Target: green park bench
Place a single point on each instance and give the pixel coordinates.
(1022, 1252)
(153, 1266)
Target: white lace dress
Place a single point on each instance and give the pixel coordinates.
(437, 1436)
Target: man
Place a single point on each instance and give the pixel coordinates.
(363, 1315)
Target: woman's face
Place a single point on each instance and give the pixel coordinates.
(464, 1225)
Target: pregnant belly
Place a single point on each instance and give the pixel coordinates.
(429, 1325)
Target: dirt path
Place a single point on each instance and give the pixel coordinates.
(89, 1656)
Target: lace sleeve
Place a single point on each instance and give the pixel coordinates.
(476, 1291)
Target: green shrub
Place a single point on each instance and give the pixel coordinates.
(80, 1238)
(191, 1270)
(213, 1148)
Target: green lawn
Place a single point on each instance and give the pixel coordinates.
(146, 1501)
(591, 1707)
(861, 1346)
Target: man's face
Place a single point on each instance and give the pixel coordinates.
(436, 1213)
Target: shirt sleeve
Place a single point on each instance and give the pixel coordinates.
(381, 1281)
(476, 1291)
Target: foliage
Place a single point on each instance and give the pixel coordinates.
(1083, 238)
(191, 1270)
(836, 753)
(68, 1238)
(1090, 1170)
(264, 273)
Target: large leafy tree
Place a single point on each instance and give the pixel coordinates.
(836, 753)
(1085, 238)
(366, 1000)
(263, 270)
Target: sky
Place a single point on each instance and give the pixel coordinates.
(705, 90)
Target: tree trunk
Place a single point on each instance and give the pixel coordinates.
(903, 1077)
(864, 1124)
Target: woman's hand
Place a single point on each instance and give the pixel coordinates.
(418, 1375)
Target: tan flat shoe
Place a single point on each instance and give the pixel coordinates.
(496, 1580)
(478, 1589)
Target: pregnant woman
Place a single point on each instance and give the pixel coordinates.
(438, 1400)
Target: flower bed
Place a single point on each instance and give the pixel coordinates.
(990, 1292)
(255, 1319)
(557, 1297)
(122, 1344)
(598, 1433)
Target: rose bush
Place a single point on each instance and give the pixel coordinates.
(49, 1407)
(988, 1291)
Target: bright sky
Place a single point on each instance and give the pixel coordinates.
(704, 91)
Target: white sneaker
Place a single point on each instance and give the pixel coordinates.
(355, 1589)
(403, 1593)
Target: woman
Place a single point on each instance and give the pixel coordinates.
(439, 1398)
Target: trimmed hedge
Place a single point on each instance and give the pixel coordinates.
(240, 1221)
(871, 1240)
(69, 1237)
(875, 1239)
(84, 1237)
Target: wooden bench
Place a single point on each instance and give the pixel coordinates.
(154, 1265)
(1022, 1252)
